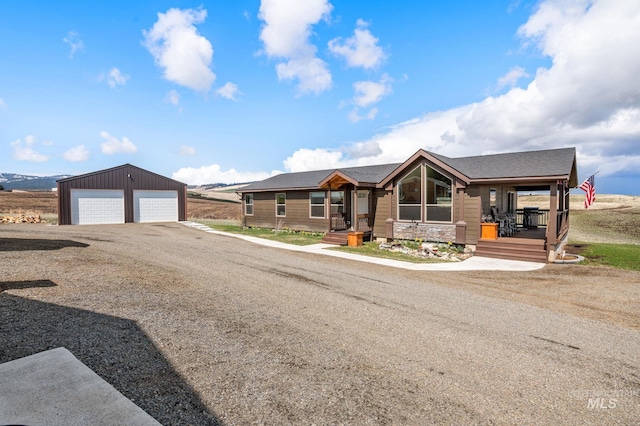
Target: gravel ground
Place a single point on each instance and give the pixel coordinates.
(197, 328)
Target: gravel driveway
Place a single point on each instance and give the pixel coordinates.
(198, 328)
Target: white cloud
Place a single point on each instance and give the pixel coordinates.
(312, 159)
(360, 50)
(172, 97)
(285, 35)
(214, 174)
(24, 151)
(2, 103)
(116, 78)
(183, 54)
(74, 42)
(354, 115)
(511, 78)
(588, 98)
(229, 91)
(368, 93)
(188, 151)
(77, 154)
(112, 145)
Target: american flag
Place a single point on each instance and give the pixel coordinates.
(589, 187)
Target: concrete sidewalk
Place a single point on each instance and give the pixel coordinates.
(475, 263)
(55, 388)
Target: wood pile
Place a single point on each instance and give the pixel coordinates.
(22, 219)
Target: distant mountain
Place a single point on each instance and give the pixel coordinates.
(26, 182)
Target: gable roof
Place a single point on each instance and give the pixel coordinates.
(313, 179)
(113, 169)
(542, 165)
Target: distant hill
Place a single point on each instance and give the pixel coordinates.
(29, 183)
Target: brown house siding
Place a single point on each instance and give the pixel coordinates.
(118, 178)
(297, 212)
(472, 213)
(381, 212)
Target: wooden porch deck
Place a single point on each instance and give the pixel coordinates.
(526, 244)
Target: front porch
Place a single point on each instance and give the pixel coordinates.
(533, 233)
(350, 207)
(526, 244)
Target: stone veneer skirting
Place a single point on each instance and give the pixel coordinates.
(425, 231)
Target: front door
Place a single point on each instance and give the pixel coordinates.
(360, 210)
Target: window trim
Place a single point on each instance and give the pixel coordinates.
(449, 204)
(246, 204)
(424, 205)
(324, 204)
(420, 204)
(283, 205)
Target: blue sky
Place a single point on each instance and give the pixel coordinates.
(234, 91)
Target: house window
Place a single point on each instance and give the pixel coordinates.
(248, 204)
(438, 196)
(281, 201)
(410, 196)
(337, 202)
(316, 205)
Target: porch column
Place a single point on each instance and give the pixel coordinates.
(390, 220)
(552, 224)
(461, 224)
(329, 206)
(354, 210)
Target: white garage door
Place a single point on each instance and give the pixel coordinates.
(92, 206)
(155, 206)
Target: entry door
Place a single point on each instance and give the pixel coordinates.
(359, 208)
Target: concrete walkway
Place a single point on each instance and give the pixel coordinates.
(475, 263)
(55, 388)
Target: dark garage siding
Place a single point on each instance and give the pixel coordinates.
(126, 177)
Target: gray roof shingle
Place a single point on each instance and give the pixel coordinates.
(552, 162)
(310, 180)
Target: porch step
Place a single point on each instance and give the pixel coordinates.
(513, 249)
(336, 238)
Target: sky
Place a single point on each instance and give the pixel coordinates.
(236, 91)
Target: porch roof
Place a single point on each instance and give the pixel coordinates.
(527, 165)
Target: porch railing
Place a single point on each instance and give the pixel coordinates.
(364, 223)
(532, 218)
(338, 223)
(562, 223)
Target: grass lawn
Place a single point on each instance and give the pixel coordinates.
(372, 249)
(283, 236)
(623, 256)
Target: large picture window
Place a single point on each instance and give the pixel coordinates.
(248, 204)
(281, 204)
(438, 196)
(410, 196)
(316, 205)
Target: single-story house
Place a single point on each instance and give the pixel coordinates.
(469, 201)
(121, 194)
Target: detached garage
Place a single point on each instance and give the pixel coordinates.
(120, 195)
